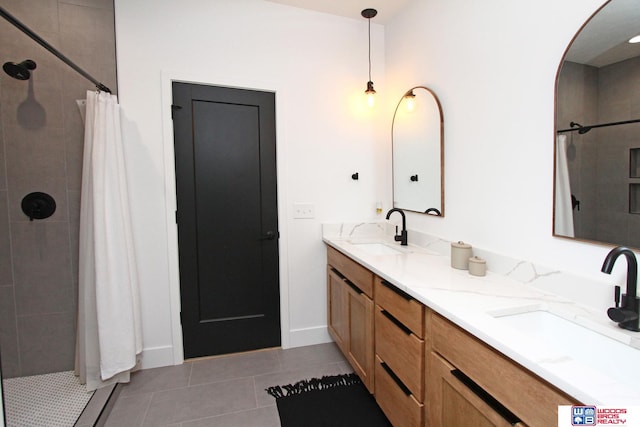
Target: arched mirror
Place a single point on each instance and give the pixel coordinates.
(417, 134)
(597, 170)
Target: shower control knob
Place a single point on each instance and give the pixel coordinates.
(38, 205)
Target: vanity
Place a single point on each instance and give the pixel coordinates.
(439, 347)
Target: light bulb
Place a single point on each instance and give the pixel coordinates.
(411, 98)
(370, 92)
(371, 99)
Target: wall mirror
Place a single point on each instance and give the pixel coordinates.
(597, 156)
(417, 134)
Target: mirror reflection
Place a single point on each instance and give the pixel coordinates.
(417, 137)
(597, 170)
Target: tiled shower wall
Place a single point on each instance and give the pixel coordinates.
(599, 160)
(41, 138)
(578, 103)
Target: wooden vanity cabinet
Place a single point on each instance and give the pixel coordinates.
(454, 401)
(467, 376)
(350, 312)
(423, 369)
(399, 344)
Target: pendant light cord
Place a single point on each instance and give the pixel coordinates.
(369, 19)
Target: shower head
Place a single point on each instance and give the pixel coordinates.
(584, 129)
(581, 129)
(19, 71)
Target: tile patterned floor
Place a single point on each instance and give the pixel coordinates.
(48, 400)
(224, 391)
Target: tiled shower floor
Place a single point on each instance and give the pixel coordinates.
(49, 400)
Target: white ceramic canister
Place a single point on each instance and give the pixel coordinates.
(477, 266)
(460, 254)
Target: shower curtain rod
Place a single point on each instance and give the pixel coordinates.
(584, 129)
(19, 25)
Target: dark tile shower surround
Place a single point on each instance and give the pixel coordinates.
(41, 139)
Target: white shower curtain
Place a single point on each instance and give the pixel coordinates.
(564, 208)
(109, 329)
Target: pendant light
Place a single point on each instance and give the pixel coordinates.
(370, 92)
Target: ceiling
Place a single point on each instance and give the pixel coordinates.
(387, 9)
(604, 40)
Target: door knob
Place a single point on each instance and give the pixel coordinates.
(270, 235)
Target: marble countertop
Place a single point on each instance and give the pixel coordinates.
(477, 304)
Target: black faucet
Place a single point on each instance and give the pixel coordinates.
(402, 237)
(627, 313)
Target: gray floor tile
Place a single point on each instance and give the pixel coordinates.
(222, 391)
(289, 377)
(260, 417)
(129, 411)
(346, 367)
(301, 357)
(157, 379)
(235, 366)
(197, 402)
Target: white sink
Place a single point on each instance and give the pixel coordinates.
(606, 355)
(377, 249)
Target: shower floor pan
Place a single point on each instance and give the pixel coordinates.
(51, 400)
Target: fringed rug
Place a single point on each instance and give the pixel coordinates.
(330, 401)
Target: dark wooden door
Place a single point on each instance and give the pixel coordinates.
(225, 153)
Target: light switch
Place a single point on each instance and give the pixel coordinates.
(304, 210)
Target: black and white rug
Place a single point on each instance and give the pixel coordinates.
(330, 401)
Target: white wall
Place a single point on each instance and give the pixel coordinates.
(317, 65)
(493, 65)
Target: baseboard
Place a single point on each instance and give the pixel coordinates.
(309, 336)
(156, 357)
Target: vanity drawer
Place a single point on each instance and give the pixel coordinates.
(498, 375)
(354, 272)
(398, 404)
(401, 350)
(402, 306)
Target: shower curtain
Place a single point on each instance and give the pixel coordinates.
(564, 209)
(109, 329)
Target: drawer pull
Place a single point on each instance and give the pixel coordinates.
(395, 379)
(396, 322)
(400, 293)
(347, 281)
(352, 286)
(498, 407)
(337, 273)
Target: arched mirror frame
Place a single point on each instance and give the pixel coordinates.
(429, 211)
(586, 128)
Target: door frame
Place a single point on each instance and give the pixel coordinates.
(210, 78)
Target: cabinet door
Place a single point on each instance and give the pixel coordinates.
(337, 310)
(515, 387)
(360, 316)
(455, 402)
